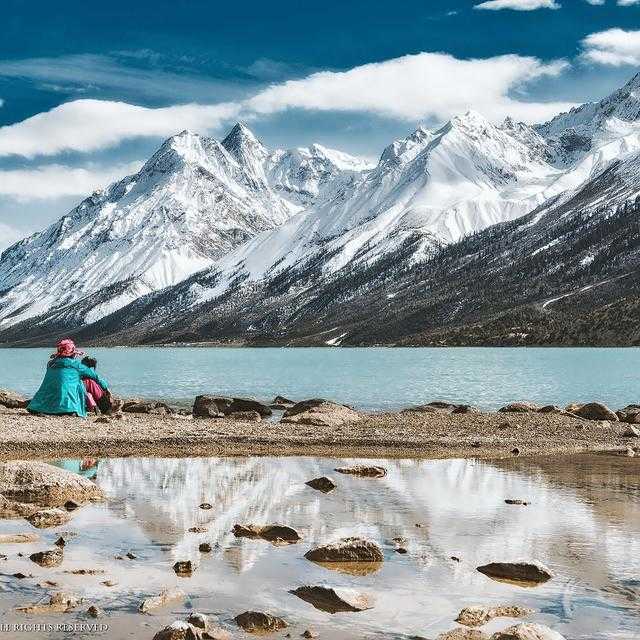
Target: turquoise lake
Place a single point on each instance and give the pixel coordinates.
(370, 378)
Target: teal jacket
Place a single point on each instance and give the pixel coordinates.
(62, 390)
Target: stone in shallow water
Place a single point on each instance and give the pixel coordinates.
(276, 533)
(323, 484)
(59, 602)
(94, 612)
(525, 572)
(49, 558)
(178, 630)
(517, 501)
(19, 538)
(162, 599)
(334, 599)
(46, 518)
(477, 616)
(258, 622)
(347, 550)
(527, 631)
(462, 633)
(363, 471)
(183, 568)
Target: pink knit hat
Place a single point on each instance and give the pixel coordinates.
(67, 349)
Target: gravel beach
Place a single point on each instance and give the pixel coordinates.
(405, 434)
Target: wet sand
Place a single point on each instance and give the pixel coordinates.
(389, 435)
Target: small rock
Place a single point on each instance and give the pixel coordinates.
(94, 612)
(318, 412)
(258, 622)
(20, 576)
(146, 406)
(204, 547)
(515, 451)
(532, 572)
(102, 420)
(631, 432)
(71, 505)
(596, 411)
(280, 403)
(273, 533)
(216, 406)
(520, 407)
(401, 550)
(183, 568)
(309, 633)
(60, 542)
(59, 602)
(550, 408)
(334, 599)
(198, 620)
(109, 583)
(46, 518)
(197, 529)
(178, 630)
(19, 538)
(516, 501)
(465, 408)
(527, 631)
(206, 506)
(245, 416)
(454, 558)
(12, 400)
(50, 558)
(347, 550)
(162, 599)
(631, 452)
(131, 556)
(323, 484)
(477, 616)
(462, 633)
(363, 471)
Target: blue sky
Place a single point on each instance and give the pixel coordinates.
(88, 90)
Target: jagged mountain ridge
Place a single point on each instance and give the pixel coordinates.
(192, 202)
(313, 275)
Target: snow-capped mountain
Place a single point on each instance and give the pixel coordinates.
(287, 240)
(192, 202)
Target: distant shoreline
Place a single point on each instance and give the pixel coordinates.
(384, 435)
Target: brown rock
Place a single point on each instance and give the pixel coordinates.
(630, 414)
(204, 547)
(162, 599)
(197, 529)
(277, 533)
(59, 602)
(50, 558)
(19, 538)
(516, 501)
(347, 550)
(179, 630)
(309, 633)
(318, 412)
(46, 518)
(323, 484)
(466, 408)
(146, 406)
(183, 568)
(258, 622)
(631, 432)
(462, 633)
(281, 403)
(206, 506)
(12, 400)
(217, 406)
(94, 612)
(596, 411)
(520, 407)
(44, 484)
(527, 631)
(364, 471)
(477, 616)
(529, 572)
(334, 599)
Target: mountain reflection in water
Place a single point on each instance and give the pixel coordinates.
(583, 522)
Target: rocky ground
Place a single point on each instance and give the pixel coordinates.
(427, 434)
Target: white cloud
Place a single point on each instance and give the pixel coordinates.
(89, 125)
(614, 47)
(627, 3)
(596, 3)
(56, 181)
(8, 236)
(518, 5)
(414, 87)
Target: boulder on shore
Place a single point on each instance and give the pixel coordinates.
(183, 568)
(629, 414)
(463, 633)
(477, 616)
(363, 471)
(527, 631)
(179, 630)
(280, 403)
(346, 550)
(521, 407)
(323, 484)
(206, 406)
(276, 533)
(146, 406)
(532, 572)
(44, 484)
(59, 602)
(245, 416)
(12, 400)
(595, 411)
(334, 599)
(258, 622)
(318, 412)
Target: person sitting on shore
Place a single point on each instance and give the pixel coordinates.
(62, 391)
(97, 398)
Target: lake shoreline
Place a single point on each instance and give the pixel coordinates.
(383, 435)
